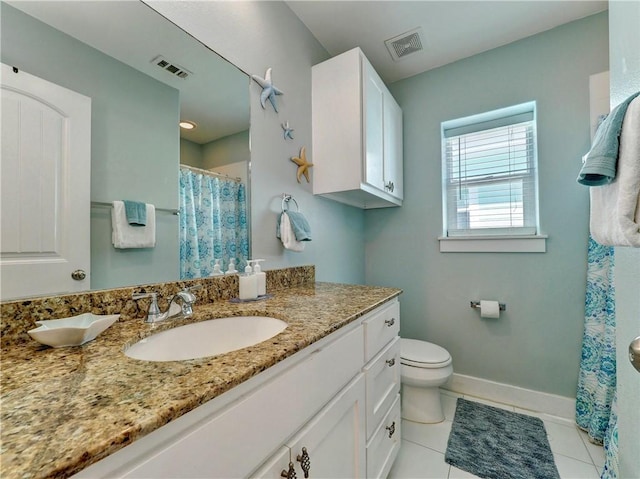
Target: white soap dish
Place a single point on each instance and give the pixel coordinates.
(72, 331)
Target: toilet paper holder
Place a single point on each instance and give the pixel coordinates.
(476, 305)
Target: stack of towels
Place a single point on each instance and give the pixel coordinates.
(612, 169)
(293, 230)
(133, 224)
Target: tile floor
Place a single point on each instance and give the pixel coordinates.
(423, 447)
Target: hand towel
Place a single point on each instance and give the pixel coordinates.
(287, 235)
(300, 226)
(136, 212)
(599, 165)
(126, 236)
(615, 208)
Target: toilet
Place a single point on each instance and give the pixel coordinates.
(424, 368)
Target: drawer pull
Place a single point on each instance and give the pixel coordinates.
(390, 322)
(391, 429)
(290, 474)
(305, 462)
(390, 362)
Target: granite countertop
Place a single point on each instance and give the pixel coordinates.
(64, 409)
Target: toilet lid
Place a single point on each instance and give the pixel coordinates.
(415, 352)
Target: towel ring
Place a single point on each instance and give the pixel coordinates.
(285, 201)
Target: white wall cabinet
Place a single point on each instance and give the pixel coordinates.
(357, 134)
(317, 399)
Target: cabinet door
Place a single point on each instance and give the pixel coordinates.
(373, 91)
(393, 151)
(333, 440)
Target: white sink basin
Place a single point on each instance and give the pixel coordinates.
(206, 338)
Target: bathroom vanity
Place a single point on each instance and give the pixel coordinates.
(325, 392)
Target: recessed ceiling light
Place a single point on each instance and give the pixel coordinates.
(188, 125)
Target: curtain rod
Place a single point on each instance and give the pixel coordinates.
(211, 173)
(104, 204)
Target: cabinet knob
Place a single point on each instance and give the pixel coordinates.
(390, 322)
(305, 462)
(79, 275)
(290, 474)
(389, 186)
(391, 429)
(390, 362)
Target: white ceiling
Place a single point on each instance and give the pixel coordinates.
(452, 30)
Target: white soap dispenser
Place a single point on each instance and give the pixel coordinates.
(216, 269)
(261, 277)
(232, 267)
(248, 284)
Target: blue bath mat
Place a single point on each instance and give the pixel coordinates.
(496, 444)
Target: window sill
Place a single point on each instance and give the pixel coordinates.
(494, 244)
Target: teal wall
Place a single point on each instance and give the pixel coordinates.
(536, 343)
(134, 142)
(227, 150)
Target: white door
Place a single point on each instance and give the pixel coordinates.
(393, 149)
(45, 181)
(374, 126)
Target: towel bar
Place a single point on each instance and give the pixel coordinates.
(104, 204)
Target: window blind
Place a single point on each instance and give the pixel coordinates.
(490, 177)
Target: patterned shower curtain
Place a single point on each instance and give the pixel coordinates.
(213, 223)
(597, 378)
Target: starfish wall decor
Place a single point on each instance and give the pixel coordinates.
(288, 131)
(269, 91)
(303, 164)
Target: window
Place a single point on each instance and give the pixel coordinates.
(490, 179)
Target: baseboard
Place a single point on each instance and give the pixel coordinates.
(528, 399)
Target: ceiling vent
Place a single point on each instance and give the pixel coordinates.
(404, 45)
(171, 67)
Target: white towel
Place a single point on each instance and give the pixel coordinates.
(126, 236)
(287, 235)
(615, 208)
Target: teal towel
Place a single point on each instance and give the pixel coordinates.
(136, 212)
(599, 167)
(299, 224)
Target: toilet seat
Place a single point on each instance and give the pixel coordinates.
(421, 354)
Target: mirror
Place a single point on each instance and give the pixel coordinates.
(143, 74)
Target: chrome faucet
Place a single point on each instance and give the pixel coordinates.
(186, 298)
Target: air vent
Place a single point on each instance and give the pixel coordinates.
(403, 45)
(171, 67)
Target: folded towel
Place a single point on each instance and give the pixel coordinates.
(599, 165)
(300, 226)
(126, 236)
(615, 208)
(287, 235)
(136, 212)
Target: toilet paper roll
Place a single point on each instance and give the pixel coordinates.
(489, 309)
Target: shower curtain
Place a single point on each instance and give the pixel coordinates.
(213, 223)
(597, 377)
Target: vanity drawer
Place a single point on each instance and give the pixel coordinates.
(383, 447)
(383, 384)
(380, 328)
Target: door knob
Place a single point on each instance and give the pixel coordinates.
(634, 353)
(79, 275)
